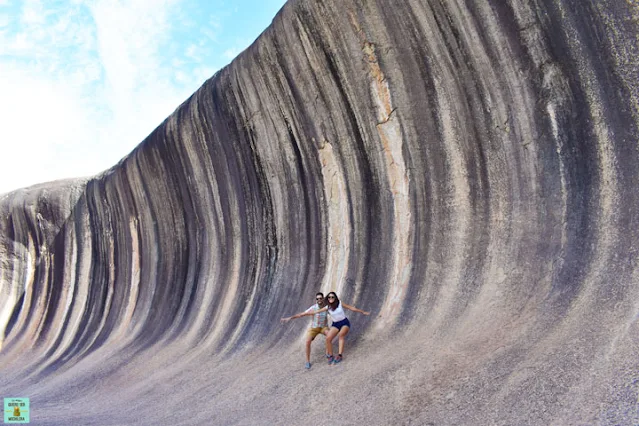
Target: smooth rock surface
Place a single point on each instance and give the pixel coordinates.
(466, 170)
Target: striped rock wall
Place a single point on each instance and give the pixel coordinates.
(465, 170)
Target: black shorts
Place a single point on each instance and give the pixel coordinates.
(339, 324)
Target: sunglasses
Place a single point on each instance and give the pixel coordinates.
(319, 298)
(331, 297)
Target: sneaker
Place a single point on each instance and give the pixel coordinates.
(308, 365)
(330, 359)
(337, 359)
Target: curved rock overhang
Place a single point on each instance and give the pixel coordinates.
(465, 170)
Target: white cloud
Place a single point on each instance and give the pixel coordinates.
(137, 76)
(85, 82)
(39, 110)
(39, 98)
(33, 12)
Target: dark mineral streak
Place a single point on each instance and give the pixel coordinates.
(466, 170)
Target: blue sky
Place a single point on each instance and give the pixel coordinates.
(82, 82)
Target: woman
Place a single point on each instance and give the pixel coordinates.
(340, 326)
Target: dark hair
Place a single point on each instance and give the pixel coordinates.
(332, 306)
(319, 293)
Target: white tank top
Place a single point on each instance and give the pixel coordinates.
(338, 314)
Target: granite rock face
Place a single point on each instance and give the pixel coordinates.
(466, 170)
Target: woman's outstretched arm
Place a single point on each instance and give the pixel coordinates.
(354, 309)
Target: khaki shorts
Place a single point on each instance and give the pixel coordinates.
(313, 332)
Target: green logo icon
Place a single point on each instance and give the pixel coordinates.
(16, 410)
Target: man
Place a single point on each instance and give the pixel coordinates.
(319, 325)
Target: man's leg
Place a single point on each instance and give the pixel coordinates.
(309, 339)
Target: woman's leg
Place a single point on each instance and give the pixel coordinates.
(329, 340)
(342, 337)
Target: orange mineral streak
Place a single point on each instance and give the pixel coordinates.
(392, 141)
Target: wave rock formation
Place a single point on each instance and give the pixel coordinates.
(466, 170)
